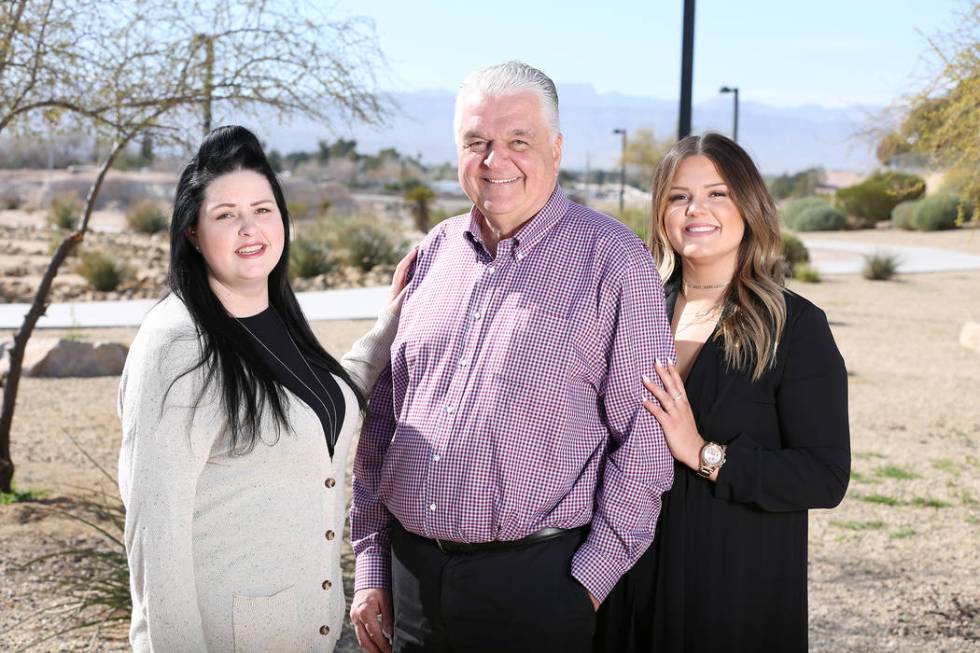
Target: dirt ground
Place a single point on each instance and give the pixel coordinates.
(895, 568)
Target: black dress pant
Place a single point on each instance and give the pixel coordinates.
(511, 600)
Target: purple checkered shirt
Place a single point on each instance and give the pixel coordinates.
(513, 399)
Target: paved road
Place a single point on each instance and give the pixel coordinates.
(829, 256)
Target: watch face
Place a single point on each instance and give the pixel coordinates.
(711, 454)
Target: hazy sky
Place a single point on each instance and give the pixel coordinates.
(781, 52)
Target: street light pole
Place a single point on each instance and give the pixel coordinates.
(733, 90)
(687, 71)
(622, 170)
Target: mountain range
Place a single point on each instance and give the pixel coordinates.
(781, 139)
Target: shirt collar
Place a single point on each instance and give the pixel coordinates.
(531, 233)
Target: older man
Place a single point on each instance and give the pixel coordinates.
(507, 475)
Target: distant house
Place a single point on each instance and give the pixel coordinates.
(833, 180)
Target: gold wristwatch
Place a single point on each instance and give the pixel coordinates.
(712, 457)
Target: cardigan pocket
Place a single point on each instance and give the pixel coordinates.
(268, 623)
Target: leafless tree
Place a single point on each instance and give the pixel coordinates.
(165, 69)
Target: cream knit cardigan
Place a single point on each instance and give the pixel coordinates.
(230, 552)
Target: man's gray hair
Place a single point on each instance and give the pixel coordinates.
(510, 78)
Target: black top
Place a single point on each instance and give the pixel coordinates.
(329, 406)
(728, 567)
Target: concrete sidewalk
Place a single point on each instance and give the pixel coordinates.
(345, 304)
(829, 256)
(847, 257)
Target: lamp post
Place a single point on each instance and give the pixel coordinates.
(687, 71)
(622, 171)
(733, 90)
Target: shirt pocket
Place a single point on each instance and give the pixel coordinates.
(268, 623)
(533, 348)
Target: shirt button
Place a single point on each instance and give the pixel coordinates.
(327, 584)
(436, 457)
(463, 362)
(491, 270)
(450, 409)
(330, 482)
(476, 315)
(324, 630)
(329, 535)
(432, 507)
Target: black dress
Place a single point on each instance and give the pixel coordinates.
(728, 567)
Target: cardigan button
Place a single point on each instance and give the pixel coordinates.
(324, 630)
(330, 482)
(327, 584)
(330, 535)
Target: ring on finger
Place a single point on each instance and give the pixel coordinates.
(678, 396)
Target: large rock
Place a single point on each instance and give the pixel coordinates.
(970, 336)
(57, 357)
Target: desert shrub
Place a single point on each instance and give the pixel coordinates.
(794, 207)
(873, 199)
(146, 218)
(9, 199)
(367, 244)
(102, 272)
(813, 214)
(309, 258)
(902, 214)
(794, 252)
(880, 267)
(298, 210)
(806, 273)
(939, 212)
(65, 212)
(638, 220)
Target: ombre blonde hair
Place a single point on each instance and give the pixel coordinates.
(754, 307)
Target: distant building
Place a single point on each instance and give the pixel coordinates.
(833, 180)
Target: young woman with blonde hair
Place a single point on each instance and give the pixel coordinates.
(754, 410)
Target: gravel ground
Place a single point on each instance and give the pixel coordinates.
(895, 568)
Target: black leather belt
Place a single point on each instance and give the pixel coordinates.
(448, 546)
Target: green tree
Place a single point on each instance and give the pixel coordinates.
(800, 184)
(275, 160)
(420, 198)
(941, 122)
(344, 149)
(643, 154)
(322, 151)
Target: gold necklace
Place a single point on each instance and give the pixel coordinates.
(710, 286)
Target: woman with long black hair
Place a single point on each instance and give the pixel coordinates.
(236, 426)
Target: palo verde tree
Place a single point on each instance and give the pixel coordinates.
(941, 122)
(167, 70)
(643, 153)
